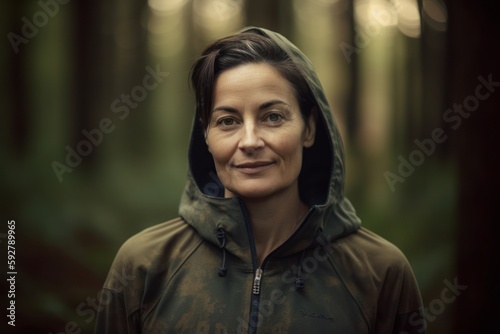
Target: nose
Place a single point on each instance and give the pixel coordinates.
(251, 139)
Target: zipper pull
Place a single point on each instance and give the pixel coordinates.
(256, 281)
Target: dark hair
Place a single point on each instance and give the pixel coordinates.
(239, 49)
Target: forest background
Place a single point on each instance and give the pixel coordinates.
(96, 113)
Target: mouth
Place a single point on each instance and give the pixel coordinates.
(253, 167)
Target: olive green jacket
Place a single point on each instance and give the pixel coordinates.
(198, 273)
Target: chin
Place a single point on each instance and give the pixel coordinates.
(253, 192)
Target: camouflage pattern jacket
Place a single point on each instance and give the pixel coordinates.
(198, 273)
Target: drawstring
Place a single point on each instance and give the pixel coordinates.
(299, 281)
(221, 236)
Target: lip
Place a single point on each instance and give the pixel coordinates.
(253, 167)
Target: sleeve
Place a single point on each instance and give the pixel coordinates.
(120, 299)
(113, 318)
(400, 309)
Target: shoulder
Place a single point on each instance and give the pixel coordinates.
(381, 280)
(370, 262)
(370, 265)
(377, 274)
(151, 250)
(368, 247)
(155, 238)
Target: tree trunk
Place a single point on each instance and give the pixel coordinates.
(473, 60)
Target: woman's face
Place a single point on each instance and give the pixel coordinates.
(256, 133)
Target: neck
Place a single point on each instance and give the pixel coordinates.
(274, 220)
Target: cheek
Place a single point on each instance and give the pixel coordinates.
(221, 150)
(290, 149)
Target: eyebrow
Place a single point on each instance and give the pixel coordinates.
(263, 106)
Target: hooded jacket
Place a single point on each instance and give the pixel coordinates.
(199, 274)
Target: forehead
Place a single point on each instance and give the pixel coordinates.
(252, 84)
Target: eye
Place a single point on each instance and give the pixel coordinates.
(274, 117)
(226, 122)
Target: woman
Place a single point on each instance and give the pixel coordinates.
(265, 242)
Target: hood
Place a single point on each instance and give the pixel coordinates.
(321, 181)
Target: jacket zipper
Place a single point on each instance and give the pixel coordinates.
(256, 281)
(255, 299)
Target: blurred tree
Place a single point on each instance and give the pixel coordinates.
(352, 108)
(17, 113)
(473, 52)
(268, 14)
